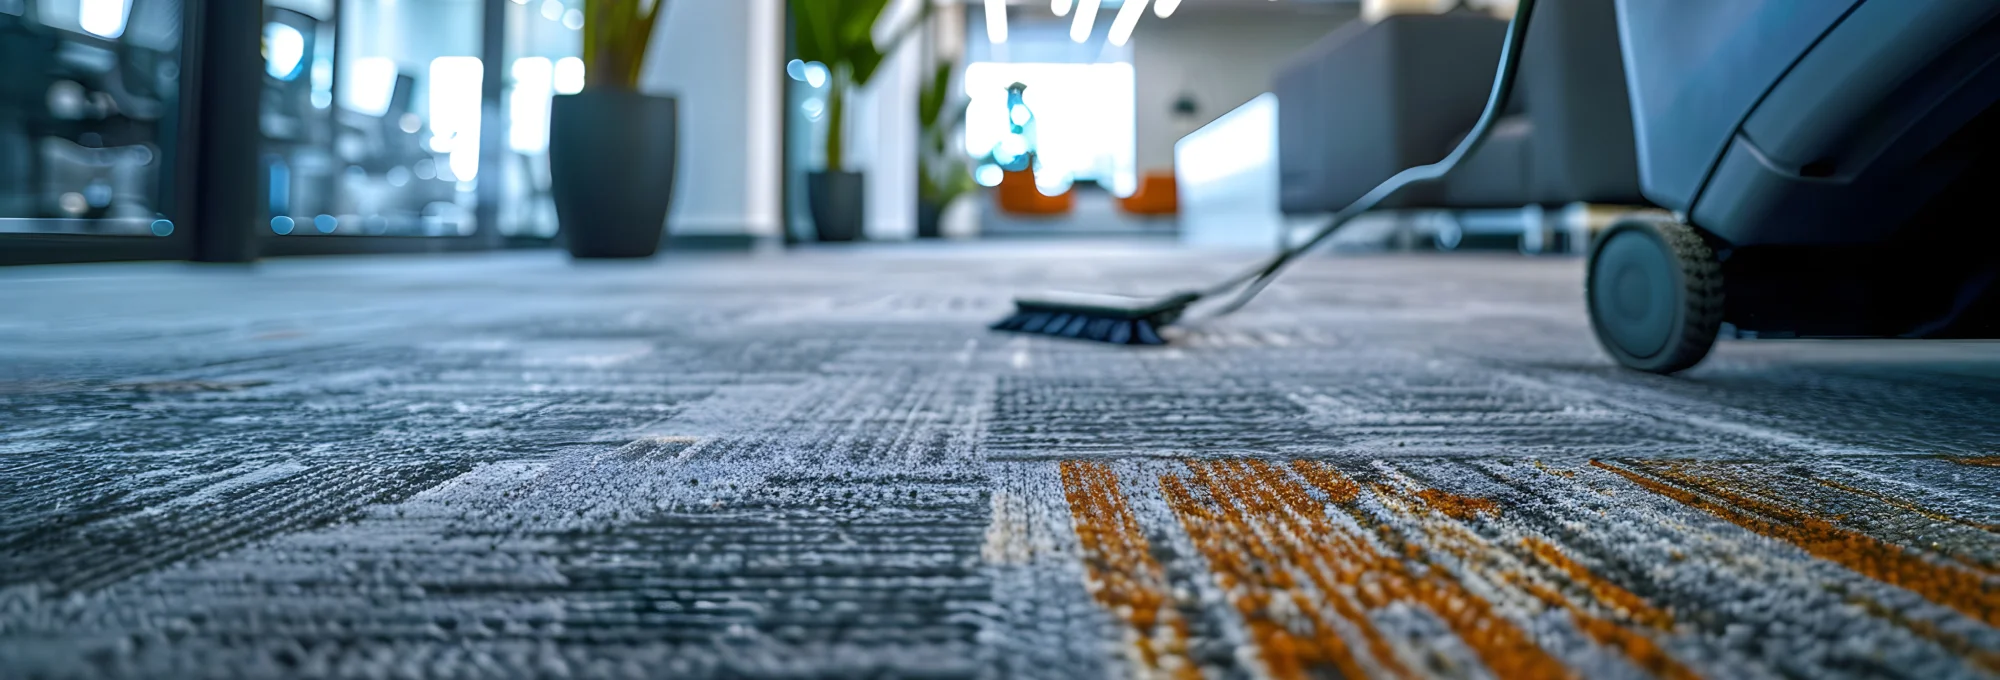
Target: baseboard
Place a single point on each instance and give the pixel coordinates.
(1532, 229)
(725, 242)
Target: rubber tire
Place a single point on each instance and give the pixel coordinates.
(1655, 294)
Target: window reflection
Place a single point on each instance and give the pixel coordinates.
(542, 50)
(371, 116)
(1083, 111)
(88, 109)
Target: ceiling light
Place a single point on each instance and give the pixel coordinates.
(1086, 16)
(1128, 17)
(102, 18)
(996, 21)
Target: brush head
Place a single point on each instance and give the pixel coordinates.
(1115, 319)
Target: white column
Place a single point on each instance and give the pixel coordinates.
(887, 150)
(723, 61)
(764, 141)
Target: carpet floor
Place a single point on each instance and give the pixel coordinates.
(820, 464)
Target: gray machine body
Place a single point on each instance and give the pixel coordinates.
(1806, 122)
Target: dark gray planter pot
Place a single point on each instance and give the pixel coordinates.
(611, 164)
(928, 214)
(836, 199)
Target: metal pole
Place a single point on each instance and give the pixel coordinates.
(227, 182)
(492, 130)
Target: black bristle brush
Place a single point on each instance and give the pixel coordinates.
(1127, 320)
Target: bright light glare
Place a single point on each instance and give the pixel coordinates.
(528, 104)
(1165, 8)
(374, 82)
(996, 21)
(454, 99)
(1053, 183)
(322, 81)
(1128, 17)
(1018, 114)
(103, 18)
(1086, 18)
(285, 48)
(1240, 141)
(573, 20)
(796, 69)
(1061, 7)
(816, 74)
(1011, 147)
(989, 175)
(1084, 116)
(569, 75)
(552, 9)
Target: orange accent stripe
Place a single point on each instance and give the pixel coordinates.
(1224, 535)
(1952, 642)
(1480, 556)
(1456, 506)
(1689, 474)
(1566, 474)
(1641, 651)
(1329, 481)
(1886, 562)
(1632, 607)
(1124, 577)
(1263, 510)
(1908, 506)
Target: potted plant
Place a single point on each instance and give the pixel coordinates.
(942, 172)
(838, 34)
(611, 147)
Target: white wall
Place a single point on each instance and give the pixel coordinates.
(882, 142)
(1228, 180)
(1375, 10)
(723, 59)
(1223, 58)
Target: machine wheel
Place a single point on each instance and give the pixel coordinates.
(1655, 294)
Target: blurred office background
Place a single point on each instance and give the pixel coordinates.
(425, 125)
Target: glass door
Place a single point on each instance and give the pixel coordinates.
(90, 117)
(544, 59)
(371, 116)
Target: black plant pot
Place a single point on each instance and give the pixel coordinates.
(928, 214)
(611, 167)
(836, 198)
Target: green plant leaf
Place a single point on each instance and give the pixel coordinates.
(814, 30)
(930, 101)
(862, 63)
(616, 35)
(837, 32)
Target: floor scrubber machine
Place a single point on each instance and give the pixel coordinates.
(1821, 169)
(1825, 167)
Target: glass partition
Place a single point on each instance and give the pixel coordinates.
(89, 115)
(543, 51)
(1081, 96)
(371, 117)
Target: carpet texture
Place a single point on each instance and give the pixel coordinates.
(820, 464)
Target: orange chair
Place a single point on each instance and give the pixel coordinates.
(1157, 195)
(1019, 196)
